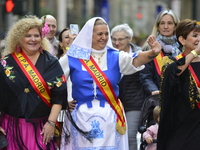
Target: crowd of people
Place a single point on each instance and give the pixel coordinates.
(85, 91)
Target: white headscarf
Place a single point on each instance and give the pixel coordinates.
(82, 45)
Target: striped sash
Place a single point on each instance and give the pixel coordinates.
(106, 88)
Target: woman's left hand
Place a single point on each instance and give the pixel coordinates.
(48, 132)
(154, 44)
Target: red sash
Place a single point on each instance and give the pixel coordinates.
(33, 76)
(192, 72)
(35, 79)
(158, 62)
(106, 88)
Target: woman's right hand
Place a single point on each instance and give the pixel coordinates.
(2, 130)
(72, 105)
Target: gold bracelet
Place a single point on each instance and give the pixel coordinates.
(194, 53)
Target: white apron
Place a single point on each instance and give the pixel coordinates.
(101, 121)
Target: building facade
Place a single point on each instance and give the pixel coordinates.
(139, 14)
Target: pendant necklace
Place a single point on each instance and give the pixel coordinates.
(99, 58)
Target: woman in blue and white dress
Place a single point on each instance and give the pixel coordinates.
(98, 110)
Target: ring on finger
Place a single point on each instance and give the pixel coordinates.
(51, 137)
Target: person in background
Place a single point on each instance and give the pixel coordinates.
(33, 88)
(64, 42)
(121, 36)
(179, 126)
(91, 62)
(65, 39)
(151, 133)
(51, 36)
(164, 31)
(130, 88)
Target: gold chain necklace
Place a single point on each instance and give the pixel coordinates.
(99, 58)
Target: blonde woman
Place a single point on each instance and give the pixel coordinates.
(164, 31)
(33, 88)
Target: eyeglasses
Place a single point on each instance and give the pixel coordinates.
(119, 40)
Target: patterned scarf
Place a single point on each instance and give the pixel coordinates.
(169, 44)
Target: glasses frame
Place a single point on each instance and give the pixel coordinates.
(119, 40)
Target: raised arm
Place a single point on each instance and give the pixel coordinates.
(189, 58)
(147, 56)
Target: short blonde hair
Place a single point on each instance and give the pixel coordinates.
(20, 29)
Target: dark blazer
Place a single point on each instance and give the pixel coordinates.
(149, 78)
(130, 89)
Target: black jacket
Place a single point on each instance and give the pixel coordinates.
(150, 78)
(130, 89)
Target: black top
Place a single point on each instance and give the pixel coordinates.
(150, 78)
(179, 97)
(17, 103)
(130, 89)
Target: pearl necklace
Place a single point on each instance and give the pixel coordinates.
(99, 58)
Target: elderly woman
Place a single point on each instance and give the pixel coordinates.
(33, 88)
(95, 69)
(180, 87)
(130, 88)
(164, 31)
(122, 36)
